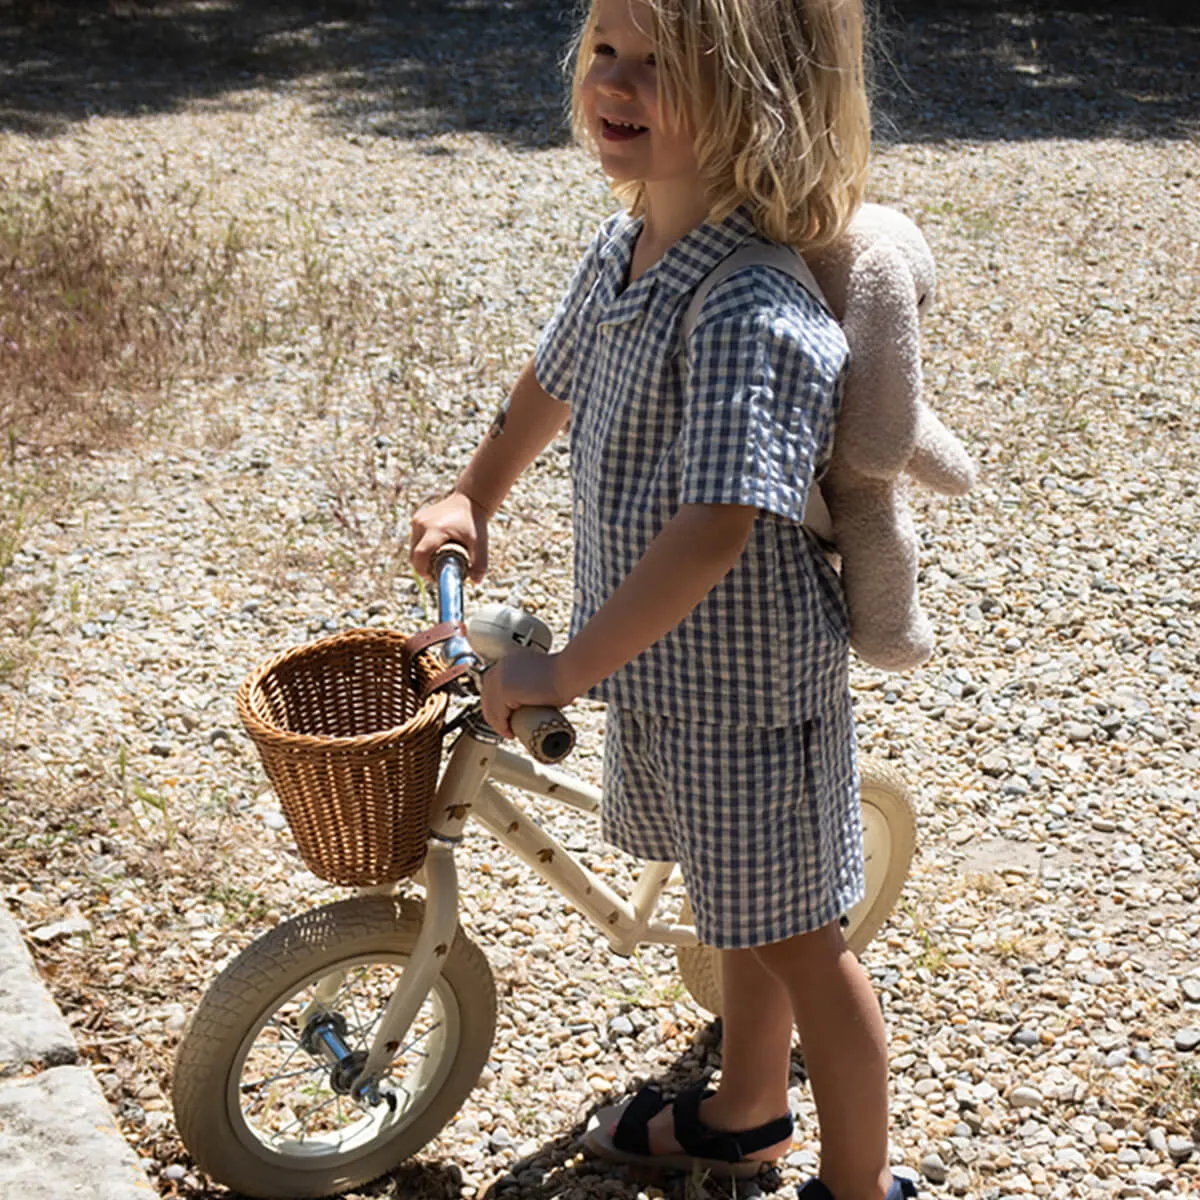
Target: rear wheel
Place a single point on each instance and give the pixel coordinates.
(889, 836)
(259, 1106)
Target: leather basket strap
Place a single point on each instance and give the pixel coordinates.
(442, 678)
(432, 636)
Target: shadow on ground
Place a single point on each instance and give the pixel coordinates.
(997, 71)
(966, 69)
(561, 1170)
(407, 69)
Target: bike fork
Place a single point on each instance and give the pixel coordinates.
(423, 967)
(464, 775)
(324, 1030)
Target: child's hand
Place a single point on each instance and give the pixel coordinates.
(456, 518)
(524, 677)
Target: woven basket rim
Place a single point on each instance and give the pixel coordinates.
(431, 711)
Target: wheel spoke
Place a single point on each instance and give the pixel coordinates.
(295, 1047)
(365, 1031)
(346, 989)
(353, 1005)
(303, 1121)
(411, 1047)
(266, 1081)
(361, 997)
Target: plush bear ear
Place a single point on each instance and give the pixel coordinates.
(877, 427)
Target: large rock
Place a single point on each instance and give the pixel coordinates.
(32, 1030)
(58, 1139)
(57, 1134)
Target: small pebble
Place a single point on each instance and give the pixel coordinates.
(1025, 1097)
(933, 1168)
(1187, 1039)
(1179, 1148)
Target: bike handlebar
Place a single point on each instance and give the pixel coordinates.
(450, 565)
(543, 731)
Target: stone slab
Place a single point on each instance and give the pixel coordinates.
(32, 1030)
(58, 1141)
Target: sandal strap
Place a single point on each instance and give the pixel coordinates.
(631, 1133)
(901, 1188)
(698, 1140)
(814, 1189)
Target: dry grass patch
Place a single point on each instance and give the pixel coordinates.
(129, 315)
(107, 299)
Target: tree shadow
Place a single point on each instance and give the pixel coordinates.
(982, 71)
(412, 69)
(388, 68)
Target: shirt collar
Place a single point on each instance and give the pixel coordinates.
(691, 258)
(695, 255)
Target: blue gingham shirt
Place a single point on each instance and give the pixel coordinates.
(747, 418)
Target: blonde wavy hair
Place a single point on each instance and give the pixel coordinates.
(775, 94)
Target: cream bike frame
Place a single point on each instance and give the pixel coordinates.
(393, 1112)
(467, 790)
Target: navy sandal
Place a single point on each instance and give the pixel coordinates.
(901, 1189)
(622, 1135)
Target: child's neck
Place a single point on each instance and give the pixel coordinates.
(670, 213)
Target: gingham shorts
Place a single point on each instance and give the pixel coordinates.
(766, 824)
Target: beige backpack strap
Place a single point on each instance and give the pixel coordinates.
(782, 258)
(752, 254)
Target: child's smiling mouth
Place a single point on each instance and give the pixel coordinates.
(620, 131)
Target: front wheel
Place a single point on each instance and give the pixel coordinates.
(259, 1107)
(889, 835)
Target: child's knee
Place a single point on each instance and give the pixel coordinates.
(808, 952)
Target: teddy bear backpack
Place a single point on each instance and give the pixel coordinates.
(876, 280)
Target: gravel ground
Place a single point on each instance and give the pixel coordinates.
(1041, 975)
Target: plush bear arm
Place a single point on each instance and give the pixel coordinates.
(877, 426)
(879, 549)
(939, 460)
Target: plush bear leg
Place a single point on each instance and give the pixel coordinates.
(878, 545)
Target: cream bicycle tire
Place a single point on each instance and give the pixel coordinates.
(213, 1087)
(889, 837)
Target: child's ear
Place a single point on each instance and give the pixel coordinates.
(877, 427)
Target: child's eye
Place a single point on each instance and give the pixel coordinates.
(651, 61)
(603, 48)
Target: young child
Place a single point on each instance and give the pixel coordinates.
(705, 615)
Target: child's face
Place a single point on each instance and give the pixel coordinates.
(638, 140)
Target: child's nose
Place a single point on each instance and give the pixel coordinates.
(615, 80)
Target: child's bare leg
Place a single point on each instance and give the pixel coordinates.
(756, 1045)
(756, 1052)
(845, 1053)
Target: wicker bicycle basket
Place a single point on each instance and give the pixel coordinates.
(351, 750)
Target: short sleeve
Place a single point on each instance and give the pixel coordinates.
(555, 355)
(764, 383)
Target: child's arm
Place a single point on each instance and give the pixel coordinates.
(522, 429)
(691, 555)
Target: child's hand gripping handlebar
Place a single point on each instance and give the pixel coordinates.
(544, 732)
